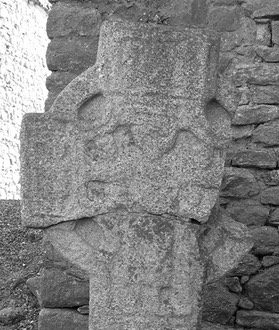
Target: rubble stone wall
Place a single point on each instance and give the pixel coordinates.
(249, 78)
(23, 43)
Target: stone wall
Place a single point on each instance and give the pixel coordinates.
(23, 43)
(249, 66)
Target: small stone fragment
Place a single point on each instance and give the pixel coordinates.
(245, 303)
(83, 309)
(244, 279)
(254, 158)
(233, 284)
(60, 289)
(245, 96)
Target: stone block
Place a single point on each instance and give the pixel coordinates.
(183, 13)
(57, 81)
(219, 303)
(239, 183)
(268, 261)
(62, 319)
(254, 158)
(263, 36)
(242, 132)
(248, 265)
(265, 94)
(224, 19)
(233, 284)
(263, 288)
(61, 289)
(270, 196)
(259, 114)
(73, 19)
(267, 134)
(270, 178)
(275, 32)
(274, 217)
(243, 36)
(221, 257)
(268, 9)
(248, 212)
(10, 315)
(258, 74)
(266, 240)
(257, 320)
(268, 54)
(73, 54)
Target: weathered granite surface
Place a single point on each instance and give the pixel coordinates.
(61, 319)
(249, 51)
(140, 131)
(146, 271)
(124, 170)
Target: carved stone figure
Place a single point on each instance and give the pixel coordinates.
(123, 173)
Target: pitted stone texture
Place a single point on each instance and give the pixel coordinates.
(141, 131)
(145, 270)
(62, 319)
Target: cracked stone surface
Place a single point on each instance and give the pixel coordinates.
(140, 131)
(123, 173)
(145, 271)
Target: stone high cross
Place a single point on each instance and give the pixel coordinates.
(123, 173)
